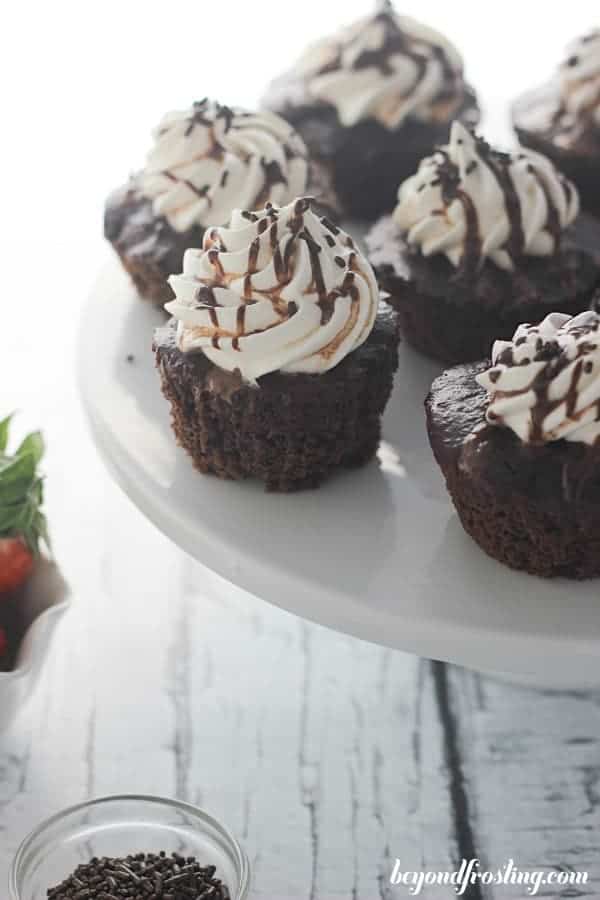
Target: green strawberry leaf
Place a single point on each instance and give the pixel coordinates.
(9, 519)
(4, 431)
(22, 490)
(40, 526)
(18, 469)
(37, 491)
(13, 495)
(18, 489)
(34, 445)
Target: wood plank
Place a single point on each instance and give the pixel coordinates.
(321, 751)
(530, 763)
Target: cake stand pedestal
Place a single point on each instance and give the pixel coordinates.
(377, 553)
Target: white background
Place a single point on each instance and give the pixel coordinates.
(84, 82)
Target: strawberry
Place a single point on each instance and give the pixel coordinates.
(16, 563)
(22, 522)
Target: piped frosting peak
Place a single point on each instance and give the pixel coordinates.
(386, 67)
(545, 383)
(276, 290)
(471, 202)
(210, 158)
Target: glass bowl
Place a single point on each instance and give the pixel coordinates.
(117, 826)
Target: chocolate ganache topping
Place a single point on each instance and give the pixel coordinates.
(385, 67)
(275, 290)
(545, 383)
(471, 203)
(211, 158)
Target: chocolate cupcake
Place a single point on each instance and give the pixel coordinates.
(562, 118)
(479, 242)
(371, 101)
(278, 362)
(519, 446)
(205, 162)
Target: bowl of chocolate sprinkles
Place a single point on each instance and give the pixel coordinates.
(130, 848)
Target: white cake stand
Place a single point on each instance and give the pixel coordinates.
(378, 553)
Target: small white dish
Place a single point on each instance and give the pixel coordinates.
(42, 602)
(378, 553)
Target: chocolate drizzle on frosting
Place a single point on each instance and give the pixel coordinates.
(279, 298)
(202, 113)
(448, 178)
(386, 67)
(211, 157)
(545, 383)
(394, 41)
(500, 164)
(510, 205)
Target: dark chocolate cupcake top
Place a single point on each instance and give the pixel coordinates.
(275, 290)
(209, 159)
(470, 203)
(385, 67)
(545, 383)
(568, 108)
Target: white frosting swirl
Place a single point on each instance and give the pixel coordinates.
(209, 159)
(385, 67)
(580, 79)
(545, 383)
(470, 203)
(276, 290)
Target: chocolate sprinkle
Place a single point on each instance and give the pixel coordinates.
(141, 876)
(556, 359)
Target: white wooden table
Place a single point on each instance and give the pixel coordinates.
(329, 757)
